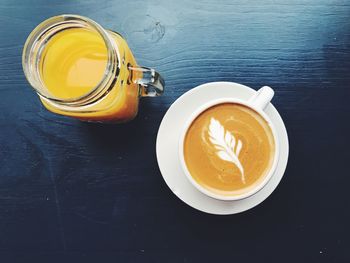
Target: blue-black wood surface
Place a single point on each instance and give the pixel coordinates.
(77, 192)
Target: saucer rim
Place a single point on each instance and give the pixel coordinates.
(275, 119)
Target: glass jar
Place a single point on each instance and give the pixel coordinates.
(115, 98)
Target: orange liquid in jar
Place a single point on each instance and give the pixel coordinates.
(74, 62)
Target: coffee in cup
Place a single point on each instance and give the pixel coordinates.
(229, 148)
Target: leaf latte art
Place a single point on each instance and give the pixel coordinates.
(225, 143)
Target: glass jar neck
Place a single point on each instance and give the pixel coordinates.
(33, 51)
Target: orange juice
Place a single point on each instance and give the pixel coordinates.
(81, 70)
(73, 63)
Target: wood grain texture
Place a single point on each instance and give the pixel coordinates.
(84, 192)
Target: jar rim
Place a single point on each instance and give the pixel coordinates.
(40, 36)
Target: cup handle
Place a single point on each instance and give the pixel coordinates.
(262, 97)
(150, 81)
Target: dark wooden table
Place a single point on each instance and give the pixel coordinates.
(71, 191)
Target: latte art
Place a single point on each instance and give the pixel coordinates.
(229, 149)
(225, 143)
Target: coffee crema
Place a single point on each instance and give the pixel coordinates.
(229, 149)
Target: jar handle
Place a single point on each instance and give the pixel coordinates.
(151, 82)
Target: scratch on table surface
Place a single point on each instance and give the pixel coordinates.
(56, 121)
(58, 207)
(90, 219)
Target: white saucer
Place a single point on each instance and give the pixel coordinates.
(167, 148)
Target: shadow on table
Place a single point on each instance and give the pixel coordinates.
(135, 133)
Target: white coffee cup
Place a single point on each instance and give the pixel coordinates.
(258, 103)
